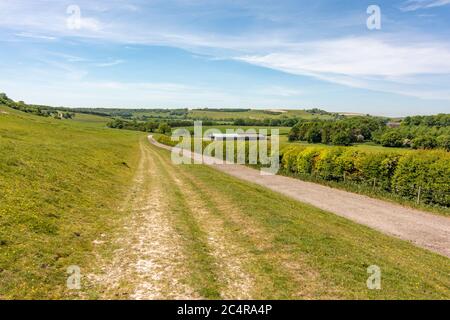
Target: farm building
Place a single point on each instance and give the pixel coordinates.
(237, 136)
(393, 124)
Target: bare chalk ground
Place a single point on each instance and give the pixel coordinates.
(425, 230)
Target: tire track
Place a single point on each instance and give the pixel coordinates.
(235, 282)
(150, 262)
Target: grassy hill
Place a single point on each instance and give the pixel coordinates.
(61, 182)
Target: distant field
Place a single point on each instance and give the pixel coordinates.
(253, 114)
(370, 147)
(223, 128)
(90, 119)
(217, 115)
(284, 131)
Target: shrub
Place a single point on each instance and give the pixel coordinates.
(164, 128)
(346, 164)
(401, 174)
(427, 170)
(438, 181)
(289, 159)
(443, 142)
(314, 135)
(378, 169)
(167, 140)
(341, 138)
(325, 165)
(424, 142)
(391, 139)
(306, 159)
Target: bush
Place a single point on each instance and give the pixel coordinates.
(424, 142)
(443, 142)
(325, 165)
(391, 139)
(341, 138)
(289, 159)
(427, 170)
(314, 135)
(377, 169)
(346, 164)
(161, 138)
(306, 159)
(401, 174)
(164, 128)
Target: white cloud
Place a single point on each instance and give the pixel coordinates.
(34, 36)
(90, 24)
(373, 63)
(109, 63)
(141, 86)
(413, 5)
(362, 63)
(359, 57)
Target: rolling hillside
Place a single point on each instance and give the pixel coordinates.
(68, 197)
(60, 182)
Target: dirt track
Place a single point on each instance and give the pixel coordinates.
(423, 229)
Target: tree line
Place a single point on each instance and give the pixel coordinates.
(337, 132)
(39, 110)
(418, 132)
(422, 176)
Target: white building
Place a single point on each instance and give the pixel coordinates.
(237, 136)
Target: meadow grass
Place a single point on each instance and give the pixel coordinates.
(61, 182)
(294, 250)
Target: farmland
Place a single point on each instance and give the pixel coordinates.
(253, 114)
(75, 192)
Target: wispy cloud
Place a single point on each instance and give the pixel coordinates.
(413, 5)
(109, 63)
(34, 36)
(361, 62)
(285, 36)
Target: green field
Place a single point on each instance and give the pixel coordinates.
(61, 182)
(253, 114)
(283, 131)
(211, 114)
(369, 147)
(65, 184)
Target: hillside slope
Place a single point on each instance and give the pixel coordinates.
(60, 184)
(68, 197)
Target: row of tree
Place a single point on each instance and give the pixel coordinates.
(433, 132)
(413, 175)
(439, 120)
(416, 137)
(149, 126)
(267, 122)
(43, 111)
(337, 132)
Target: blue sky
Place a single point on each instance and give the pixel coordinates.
(256, 54)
